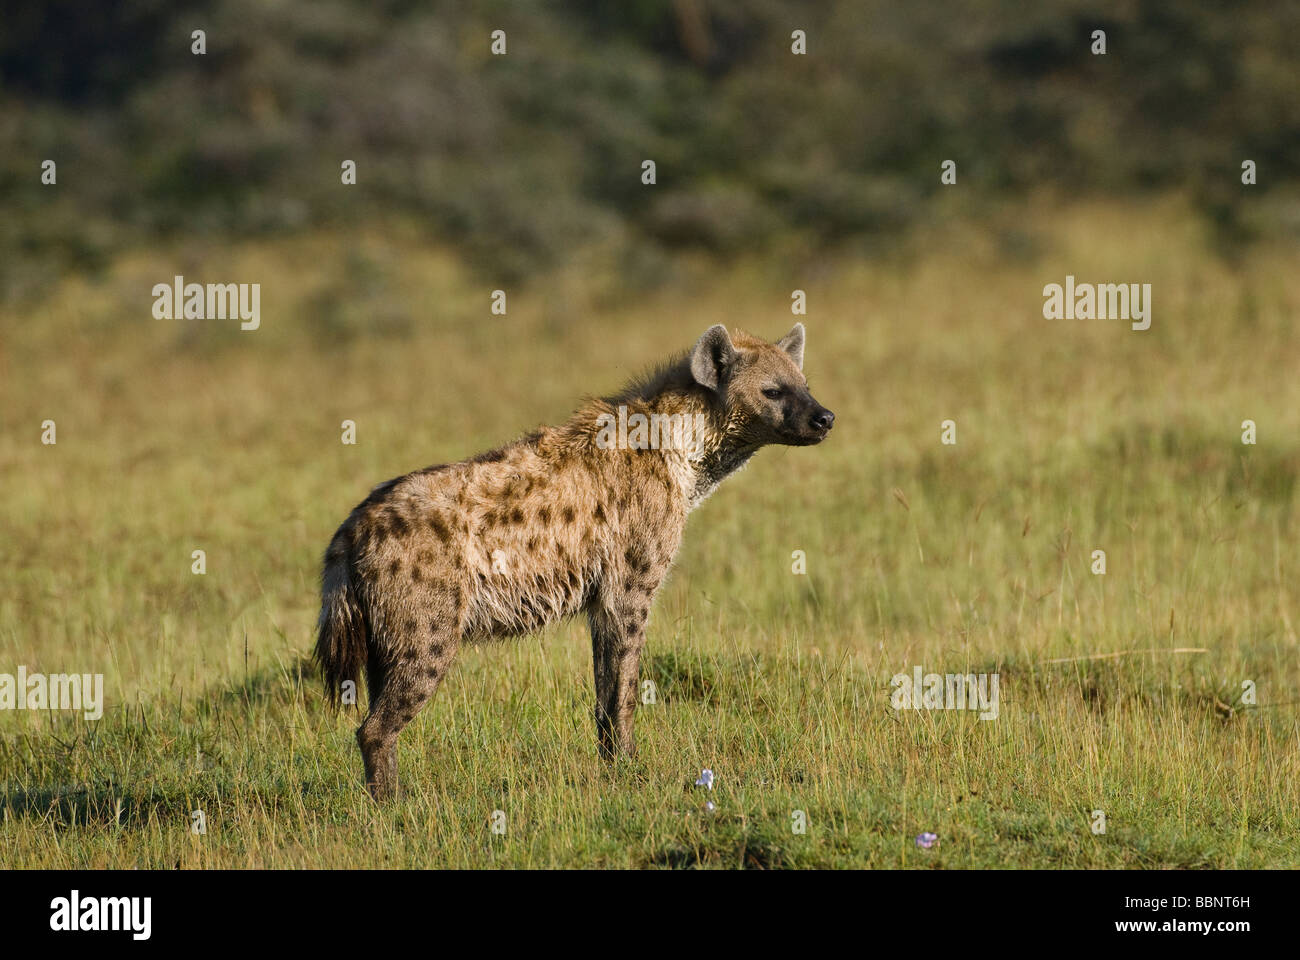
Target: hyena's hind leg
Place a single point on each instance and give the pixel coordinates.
(400, 685)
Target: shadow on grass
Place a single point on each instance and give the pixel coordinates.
(680, 677)
(105, 805)
(1118, 684)
(73, 770)
(725, 845)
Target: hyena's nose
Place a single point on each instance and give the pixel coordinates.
(822, 419)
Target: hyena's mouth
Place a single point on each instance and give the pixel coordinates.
(807, 438)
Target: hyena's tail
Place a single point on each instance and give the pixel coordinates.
(342, 641)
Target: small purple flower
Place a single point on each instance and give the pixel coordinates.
(709, 806)
(927, 840)
(706, 779)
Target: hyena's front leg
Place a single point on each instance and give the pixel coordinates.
(618, 621)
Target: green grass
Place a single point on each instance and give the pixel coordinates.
(1072, 436)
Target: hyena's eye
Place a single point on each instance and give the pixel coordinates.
(773, 393)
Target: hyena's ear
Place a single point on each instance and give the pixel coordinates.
(792, 343)
(713, 356)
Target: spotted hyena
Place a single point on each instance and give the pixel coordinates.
(581, 517)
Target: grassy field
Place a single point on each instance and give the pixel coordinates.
(1072, 436)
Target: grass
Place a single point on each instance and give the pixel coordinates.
(1071, 437)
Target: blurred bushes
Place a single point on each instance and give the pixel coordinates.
(519, 160)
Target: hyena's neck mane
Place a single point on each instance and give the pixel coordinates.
(671, 390)
(669, 380)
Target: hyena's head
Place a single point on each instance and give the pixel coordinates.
(760, 387)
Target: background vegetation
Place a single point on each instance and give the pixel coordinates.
(521, 160)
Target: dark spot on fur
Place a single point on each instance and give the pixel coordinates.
(516, 515)
(568, 514)
(394, 567)
(397, 526)
(416, 576)
(432, 673)
(544, 515)
(600, 513)
(439, 527)
(532, 544)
